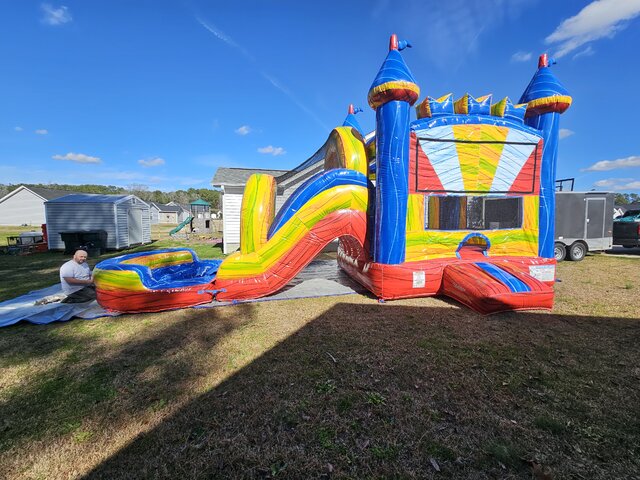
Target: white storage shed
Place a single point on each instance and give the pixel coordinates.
(124, 218)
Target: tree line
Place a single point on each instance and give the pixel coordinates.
(627, 198)
(141, 191)
(187, 196)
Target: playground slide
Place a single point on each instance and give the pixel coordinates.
(181, 226)
(329, 205)
(491, 287)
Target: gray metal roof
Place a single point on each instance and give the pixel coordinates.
(629, 206)
(49, 193)
(166, 208)
(89, 198)
(239, 176)
(184, 207)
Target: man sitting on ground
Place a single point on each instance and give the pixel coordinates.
(77, 280)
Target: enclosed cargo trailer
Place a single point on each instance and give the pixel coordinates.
(584, 223)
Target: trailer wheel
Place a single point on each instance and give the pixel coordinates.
(559, 251)
(577, 251)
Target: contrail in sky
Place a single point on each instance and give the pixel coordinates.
(268, 77)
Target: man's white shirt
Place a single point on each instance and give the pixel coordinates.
(73, 269)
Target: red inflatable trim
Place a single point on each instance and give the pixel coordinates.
(451, 277)
(153, 300)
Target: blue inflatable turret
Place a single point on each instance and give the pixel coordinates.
(352, 121)
(392, 93)
(546, 99)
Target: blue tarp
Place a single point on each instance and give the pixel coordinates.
(321, 278)
(24, 308)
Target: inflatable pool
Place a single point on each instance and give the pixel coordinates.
(154, 281)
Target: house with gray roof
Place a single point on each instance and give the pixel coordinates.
(618, 210)
(25, 205)
(185, 210)
(165, 213)
(231, 183)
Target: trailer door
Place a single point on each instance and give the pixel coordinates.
(595, 222)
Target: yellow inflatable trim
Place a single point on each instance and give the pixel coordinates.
(344, 197)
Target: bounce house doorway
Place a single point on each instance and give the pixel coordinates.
(474, 245)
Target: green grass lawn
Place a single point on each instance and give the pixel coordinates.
(335, 387)
(14, 231)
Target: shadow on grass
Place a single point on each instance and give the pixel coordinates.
(396, 391)
(634, 252)
(96, 377)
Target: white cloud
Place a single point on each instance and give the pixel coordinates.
(97, 174)
(18, 129)
(77, 158)
(618, 184)
(151, 162)
(225, 38)
(587, 52)
(55, 16)
(276, 83)
(607, 182)
(457, 28)
(268, 77)
(604, 165)
(271, 150)
(521, 57)
(243, 130)
(42, 131)
(599, 19)
(565, 132)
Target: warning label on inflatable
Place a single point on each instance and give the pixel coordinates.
(418, 279)
(544, 273)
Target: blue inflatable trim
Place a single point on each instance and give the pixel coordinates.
(543, 84)
(392, 182)
(175, 276)
(393, 69)
(513, 283)
(463, 242)
(318, 183)
(424, 123)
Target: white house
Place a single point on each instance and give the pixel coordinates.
(166, 213)
(231, 182)
(25, 205)
(184, 213)
(618, 210)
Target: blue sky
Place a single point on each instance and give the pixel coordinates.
(161, 93)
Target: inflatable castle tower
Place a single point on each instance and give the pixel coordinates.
(464, 195)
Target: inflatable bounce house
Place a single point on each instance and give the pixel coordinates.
(459, 202)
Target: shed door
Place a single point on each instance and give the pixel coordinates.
(595, 217)
(135, 226)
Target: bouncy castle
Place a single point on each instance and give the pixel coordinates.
(459, 202)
